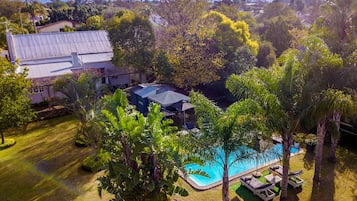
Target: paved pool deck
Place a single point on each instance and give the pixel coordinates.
(232, 178)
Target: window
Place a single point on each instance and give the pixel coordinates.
(36, 89)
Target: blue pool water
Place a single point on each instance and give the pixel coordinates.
(215, 169)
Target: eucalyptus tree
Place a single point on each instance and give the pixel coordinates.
(133, 41)
(145, 155)
(279, 92)
(228, 130)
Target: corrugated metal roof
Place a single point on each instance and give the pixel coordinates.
(93, 58)
(59, 44)
(47, 70)
(147, 91)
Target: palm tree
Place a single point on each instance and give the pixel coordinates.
(228, 130)
(82, 94)
(278, 91)
(322, 94)
(333, 103)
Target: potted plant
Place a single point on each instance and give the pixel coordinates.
(310, 142)
(298, 139)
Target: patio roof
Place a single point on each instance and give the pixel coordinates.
(168, 98)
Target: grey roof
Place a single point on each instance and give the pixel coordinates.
(59, 44)
(47, 70)
(168, 98)
(60, 66)
(147, 91)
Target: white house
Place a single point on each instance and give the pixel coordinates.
(50, 55)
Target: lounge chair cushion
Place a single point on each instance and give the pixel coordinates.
(246, 178)
(296, 173)
(264, 186)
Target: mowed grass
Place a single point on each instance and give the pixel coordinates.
(338, 182)
(45, 164)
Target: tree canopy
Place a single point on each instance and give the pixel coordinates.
(15, 106)
(133, 41)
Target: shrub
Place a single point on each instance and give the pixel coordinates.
(8, 143)
(311, 139)
(81, 141)
(96, 163)
(299, 137)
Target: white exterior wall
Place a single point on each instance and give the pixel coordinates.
(55, 27)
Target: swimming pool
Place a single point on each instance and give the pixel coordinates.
(215, 169)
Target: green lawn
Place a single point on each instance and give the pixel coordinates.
(45, 165)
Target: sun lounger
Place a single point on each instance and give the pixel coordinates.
(258, 188)
(294, 180)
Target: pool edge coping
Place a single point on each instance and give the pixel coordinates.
(217, 183)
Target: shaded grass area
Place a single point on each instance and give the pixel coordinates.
(338, 181)
(45, 164)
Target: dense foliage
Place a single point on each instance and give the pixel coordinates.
(15, 107)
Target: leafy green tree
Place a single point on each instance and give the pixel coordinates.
(94, 22)
(266, 56)
(15, 107)
(162, 67)
(58, 5)
(194, 63)
(78, 13)
(35, 9)
(337, 25)
(279, 92)
(278, 34)
(8, 8)
(12, 26)
(229, 130)
(276, 9)
(178, 19)
(133, 41)
(145, 155)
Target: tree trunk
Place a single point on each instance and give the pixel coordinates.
(225, 190)
(287, 142)
(2, 138)
(321, 132)
(336, 118)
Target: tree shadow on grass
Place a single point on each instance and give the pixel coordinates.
(347, 163)
(246, 194)
(325, 189)
(309, 159)
(292, 193)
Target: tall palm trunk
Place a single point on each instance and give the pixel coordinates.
(225, 192)
(2, 138)
(336, 118)
(287, 141)
(321, 132)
